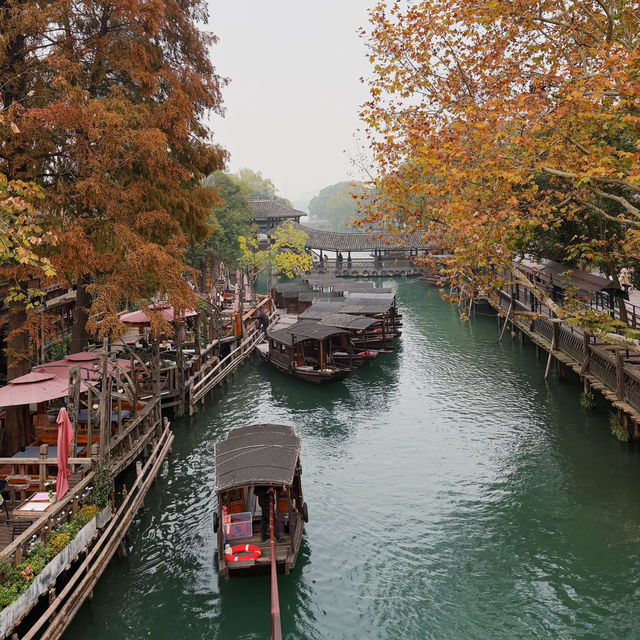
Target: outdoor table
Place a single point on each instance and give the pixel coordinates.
(34, 507)
(34, 452)
(83, 417)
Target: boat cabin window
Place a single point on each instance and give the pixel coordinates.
(234, 500)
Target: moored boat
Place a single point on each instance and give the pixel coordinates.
(303, 350)
(253, 462)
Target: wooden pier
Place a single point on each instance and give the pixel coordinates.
(610, 369)
(120, 429)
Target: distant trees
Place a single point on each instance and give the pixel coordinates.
(231, 217)
(257, 187)
(338, 204)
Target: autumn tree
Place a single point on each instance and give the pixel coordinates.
(286, 254)
(493, 121)
(123, 91)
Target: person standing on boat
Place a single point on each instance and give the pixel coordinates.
(266, 497)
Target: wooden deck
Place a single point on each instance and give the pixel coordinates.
(612, 370)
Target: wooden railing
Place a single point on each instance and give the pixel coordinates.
(367, 266)
(62, 512)
(605, 364)
(206, 379)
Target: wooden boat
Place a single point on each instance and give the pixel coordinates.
(302, 350)
(351, 350)
(252, 458)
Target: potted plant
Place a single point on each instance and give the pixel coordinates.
(50, 486)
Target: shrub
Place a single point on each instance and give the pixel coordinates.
(17, 579)
(102, 484)
(617, 429)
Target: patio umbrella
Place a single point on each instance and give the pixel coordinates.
(236, 301)
(85, 360)
(33, 388)
(238, 276)
(65, 436)
(214, 295)
(247, 289)
(167, 313)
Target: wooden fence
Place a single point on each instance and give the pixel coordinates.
(607, 368)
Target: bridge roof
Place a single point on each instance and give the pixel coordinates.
(334, 241)
(266, 209)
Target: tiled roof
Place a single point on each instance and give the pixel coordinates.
(333, 241)
(266, 209)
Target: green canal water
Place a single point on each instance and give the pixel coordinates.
(452, 493)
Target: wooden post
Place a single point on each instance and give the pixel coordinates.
(586, 352)
(155, 367)
(44, 454)
(506, 319)
(180, 364)
(105, 406)
(74, 398)
(118, 383)
(619, 374)
(554, 340)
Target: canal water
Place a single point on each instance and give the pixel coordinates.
(452, 493)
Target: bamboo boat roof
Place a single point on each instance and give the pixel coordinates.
(304, 330)
(286, 287)
(348, 321)
(256, 454)
(307, 296)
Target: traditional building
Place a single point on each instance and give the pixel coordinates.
(268, 214)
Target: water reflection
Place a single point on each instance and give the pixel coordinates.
(452, 494)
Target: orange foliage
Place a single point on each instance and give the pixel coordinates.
(493, 119)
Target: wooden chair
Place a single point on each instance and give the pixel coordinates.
(18, 483)
(18, 527)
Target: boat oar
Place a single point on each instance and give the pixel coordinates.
(276, 630)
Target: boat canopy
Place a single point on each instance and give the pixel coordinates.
(304, 330)
(348, 321)
(256, 454)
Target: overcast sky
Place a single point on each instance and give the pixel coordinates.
(293, 101)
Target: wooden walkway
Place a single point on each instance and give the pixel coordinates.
(610, 369)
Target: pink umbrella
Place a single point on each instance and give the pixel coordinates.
(167, 313)
(214, 295)
(247, 290)
(85, 361)
(236, 302)
(65, 436)
(33, 388)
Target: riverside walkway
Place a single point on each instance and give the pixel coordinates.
(610, 369)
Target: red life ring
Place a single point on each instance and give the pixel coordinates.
(242, 548)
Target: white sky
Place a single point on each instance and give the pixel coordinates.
(293, 101)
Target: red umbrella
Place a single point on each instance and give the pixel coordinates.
(85, 361)
(65, 436)
(33, 388)
(141, 317)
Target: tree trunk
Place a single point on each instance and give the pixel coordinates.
(18, 426)
(79, 334)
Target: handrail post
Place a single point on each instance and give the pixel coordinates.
(276, 629)
(619, 374)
